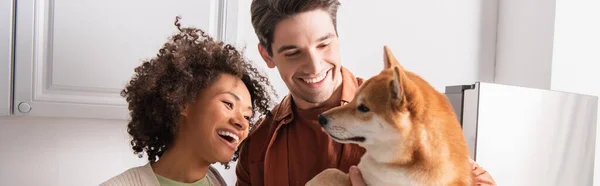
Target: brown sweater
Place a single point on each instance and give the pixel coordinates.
(310, 150)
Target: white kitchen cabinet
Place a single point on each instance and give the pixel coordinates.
(72, 57)
(6, 46)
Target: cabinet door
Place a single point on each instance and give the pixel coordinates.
(74, 57)
(6, 59)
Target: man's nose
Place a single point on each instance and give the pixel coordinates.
(314, 65)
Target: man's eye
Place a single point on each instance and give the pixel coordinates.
(247, 118)
(324, 45)
(291, 54)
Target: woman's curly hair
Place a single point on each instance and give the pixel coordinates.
(188, 63)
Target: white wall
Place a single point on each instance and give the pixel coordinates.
(575, 60)
(524, 38)
(443, 41)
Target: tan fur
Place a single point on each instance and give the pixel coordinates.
(411, 133)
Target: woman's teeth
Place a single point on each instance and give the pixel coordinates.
(315, 79)
(232, 137)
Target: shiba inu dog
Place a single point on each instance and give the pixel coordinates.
(409, 130)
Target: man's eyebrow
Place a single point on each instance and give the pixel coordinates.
(329, 35)
(286, 47)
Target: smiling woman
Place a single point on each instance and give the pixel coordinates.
(191, 106)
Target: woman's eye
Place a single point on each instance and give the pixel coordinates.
(228, 104)
(247, 118)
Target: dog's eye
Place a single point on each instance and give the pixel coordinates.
(363, 108)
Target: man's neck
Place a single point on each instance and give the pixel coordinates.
(333, 100)
(180, 165)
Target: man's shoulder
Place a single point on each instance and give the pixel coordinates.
(259, 137)
(265, 126)
(350, 75)
(268, 123)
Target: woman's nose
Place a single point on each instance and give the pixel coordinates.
(239, 122)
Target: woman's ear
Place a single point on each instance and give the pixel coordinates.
(184, 112)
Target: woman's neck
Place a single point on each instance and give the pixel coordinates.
(179, 164)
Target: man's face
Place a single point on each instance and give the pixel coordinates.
(306, 53)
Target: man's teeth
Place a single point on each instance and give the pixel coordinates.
(236, 139)
(316, 79)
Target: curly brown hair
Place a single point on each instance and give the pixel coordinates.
(187, 63)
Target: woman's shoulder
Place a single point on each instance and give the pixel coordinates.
(141, 175)
(214, 177)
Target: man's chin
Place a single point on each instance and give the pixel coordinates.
(316, 101)
(316, 98)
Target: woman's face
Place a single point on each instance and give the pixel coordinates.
(217, 121)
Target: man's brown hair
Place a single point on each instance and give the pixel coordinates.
(267, 13)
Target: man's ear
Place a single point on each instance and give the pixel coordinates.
(264, 53)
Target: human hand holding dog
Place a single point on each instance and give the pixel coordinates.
(480, 175)
(356, 177)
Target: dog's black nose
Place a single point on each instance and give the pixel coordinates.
(322, 120)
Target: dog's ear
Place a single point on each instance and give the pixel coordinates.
(396, 85)
(389, 60)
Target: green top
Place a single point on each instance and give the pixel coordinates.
(168, 182)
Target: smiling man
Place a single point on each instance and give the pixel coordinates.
(299, 38)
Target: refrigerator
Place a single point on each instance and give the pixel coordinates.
(528, 136)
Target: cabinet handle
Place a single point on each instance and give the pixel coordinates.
(24, 107)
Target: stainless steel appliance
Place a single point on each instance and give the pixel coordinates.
(528, 136)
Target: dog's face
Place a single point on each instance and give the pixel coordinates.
(379, 113)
